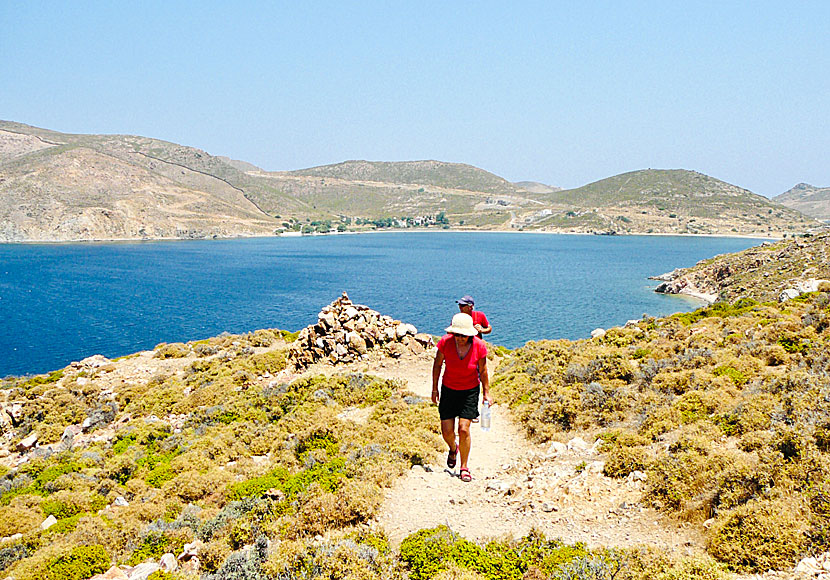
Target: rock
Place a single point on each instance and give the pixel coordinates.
(396, 350)
(498, 486)
(168, 562)
(357, 343)
(595, 467)
(191, 566)
(637, 476)
(788, 294)
(191, 550)
(708, 523)
(598, 333)
(578, 445)
(71, 432)
(114, 573)
(424, 338)
(548, 507)
(48, 523)
(390, 333)
(808, 566)
(27, 443)
(120, 502)
(416, 347)
(94, 362)
(349, 313)
(142, 571)
(557, 448)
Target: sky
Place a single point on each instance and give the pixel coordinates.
(565, 93)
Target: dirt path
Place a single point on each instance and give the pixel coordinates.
(517, 486)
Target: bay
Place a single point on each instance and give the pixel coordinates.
(60, 303)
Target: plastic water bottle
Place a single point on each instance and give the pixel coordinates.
(485, 416)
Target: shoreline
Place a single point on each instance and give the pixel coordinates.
(387, 231)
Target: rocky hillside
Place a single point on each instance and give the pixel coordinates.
(671, 201)
(65, 187)
(221, 459)
(58, 187)
(772, 271)
(809, 200)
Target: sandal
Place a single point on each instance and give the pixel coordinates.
(465, 475)
(451, 457)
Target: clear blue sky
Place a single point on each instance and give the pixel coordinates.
(560, 92)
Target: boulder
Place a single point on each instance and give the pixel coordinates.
(557, 448)
(788, 294)
(168, 563)
(114, 573)
(143, 571)
(578, 445)
(27, 443)
(48, 523)
(598, 333)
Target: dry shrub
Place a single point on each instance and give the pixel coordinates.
(623, 460)
(456, 572)
(19, 520)
(351, 504)
(761, 535)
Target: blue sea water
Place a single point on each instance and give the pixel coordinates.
(60, 303)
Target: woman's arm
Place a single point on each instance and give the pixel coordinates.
(436, 374)
(485, 380)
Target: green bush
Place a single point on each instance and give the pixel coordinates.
(79, 564)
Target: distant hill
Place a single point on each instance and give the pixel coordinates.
(65, 187)
(672, 201)
(536, 187)
(435, 173)
(808, 199)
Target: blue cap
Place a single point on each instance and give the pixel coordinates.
(466, 300)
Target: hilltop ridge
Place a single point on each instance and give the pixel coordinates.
(69, 187)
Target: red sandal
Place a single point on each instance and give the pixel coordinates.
(465, 475)
(451, 457)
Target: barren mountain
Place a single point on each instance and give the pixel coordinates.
(64, 187)
(808, 199)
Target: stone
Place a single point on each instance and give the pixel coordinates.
(120, 502)
(396, 350)
(114, 573)
(71, 432)
(190, 550)
(557, 448)
(808, 566)
(48, 523)
(191, 566)
(142, 571)
(357, 343)
(27, 443)
(595, 467)
(350, 312)
(416, 347)
(95, 361)
(788, 294)
(578, 444)
(598, 333)
(390, 333)
(168, 563)
(424, 338)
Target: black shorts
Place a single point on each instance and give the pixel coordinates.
(462, 404)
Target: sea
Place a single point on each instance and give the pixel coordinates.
(63, 302)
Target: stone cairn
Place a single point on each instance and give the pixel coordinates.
(346, 332)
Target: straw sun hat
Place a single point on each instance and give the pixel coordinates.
(462, 324)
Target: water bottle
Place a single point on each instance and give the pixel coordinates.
(485, 416)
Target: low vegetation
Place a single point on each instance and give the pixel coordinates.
(724, 408)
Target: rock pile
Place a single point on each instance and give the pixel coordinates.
(346, 332)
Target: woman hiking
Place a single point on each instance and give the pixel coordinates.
(463, 357)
